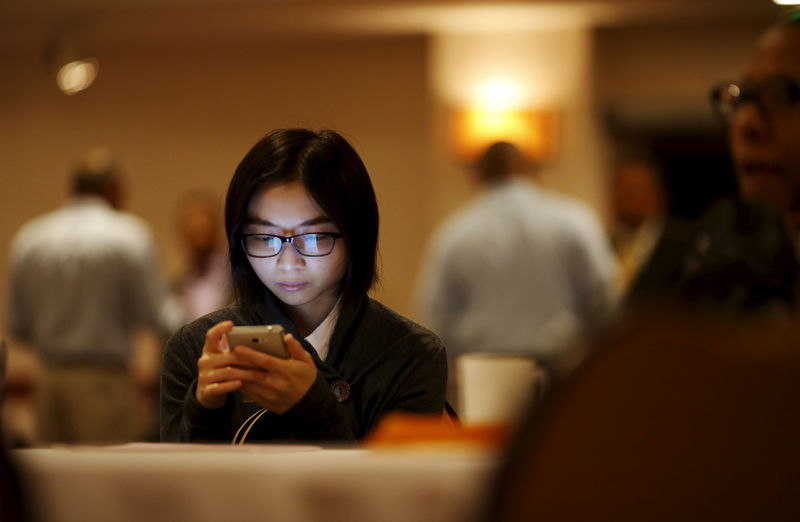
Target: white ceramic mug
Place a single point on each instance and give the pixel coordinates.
(495, 388)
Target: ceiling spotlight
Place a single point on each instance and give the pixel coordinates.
(77, 75)
(73, 69)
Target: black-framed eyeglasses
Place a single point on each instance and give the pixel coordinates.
(774, 96)
(314, 244)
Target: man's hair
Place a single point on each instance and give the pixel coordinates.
(334, 175)
(86, 182)
(97, 174)
(500, 160)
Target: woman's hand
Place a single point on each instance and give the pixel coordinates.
(281, 383)
(219, 370)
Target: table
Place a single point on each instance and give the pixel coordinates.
(189, 482)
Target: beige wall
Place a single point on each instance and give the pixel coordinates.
(663, 72)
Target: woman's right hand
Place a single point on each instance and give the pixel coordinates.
(220, 371)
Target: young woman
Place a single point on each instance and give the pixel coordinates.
(302, 226)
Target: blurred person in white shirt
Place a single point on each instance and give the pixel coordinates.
(204, 284)
(519, 269)
(84, 278)
(638, 203)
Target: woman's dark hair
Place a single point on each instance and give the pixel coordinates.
(334, 175)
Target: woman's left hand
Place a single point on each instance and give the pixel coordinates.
(284, 381)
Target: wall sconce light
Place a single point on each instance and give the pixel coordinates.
(74, 71)
(535, 132)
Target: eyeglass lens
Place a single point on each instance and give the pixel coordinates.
(774, 96)
(306, 244)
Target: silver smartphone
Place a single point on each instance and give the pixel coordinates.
(264, 338)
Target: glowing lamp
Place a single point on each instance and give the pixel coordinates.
(533, 131)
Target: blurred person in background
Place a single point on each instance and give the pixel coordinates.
(638, 211)
(741, 255)
(83, 278)
(203, 285)
(763, 111)
(519, 269)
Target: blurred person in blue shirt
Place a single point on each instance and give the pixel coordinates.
(83, 279)
(519, 269)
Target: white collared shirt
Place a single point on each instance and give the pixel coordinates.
(320, 338)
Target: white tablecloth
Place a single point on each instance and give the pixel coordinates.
(197, 483)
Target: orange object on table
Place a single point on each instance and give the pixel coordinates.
(405, 429)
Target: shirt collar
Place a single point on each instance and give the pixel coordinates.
(320, 338)
(267, 311)
(87, 201)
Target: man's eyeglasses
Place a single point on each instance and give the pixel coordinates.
(774, 96)
(315, 244)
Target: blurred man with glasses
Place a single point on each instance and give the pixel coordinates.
(763, 111)
(741, 256)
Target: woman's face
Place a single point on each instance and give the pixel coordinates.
(307, 286)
